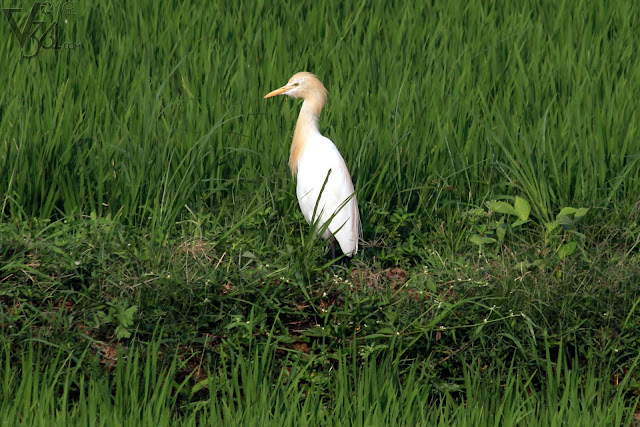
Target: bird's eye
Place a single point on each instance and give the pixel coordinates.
(296, 84)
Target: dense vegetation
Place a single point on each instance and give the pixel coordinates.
(154, 265)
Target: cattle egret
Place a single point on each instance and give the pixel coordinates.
(315, 160)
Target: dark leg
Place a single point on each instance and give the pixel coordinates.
(337, 255)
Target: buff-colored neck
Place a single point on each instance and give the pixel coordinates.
(307, 125)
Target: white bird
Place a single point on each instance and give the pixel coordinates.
(315, 159)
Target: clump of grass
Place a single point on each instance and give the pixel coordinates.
(147, 388)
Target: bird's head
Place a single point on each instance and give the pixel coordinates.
(302, 85)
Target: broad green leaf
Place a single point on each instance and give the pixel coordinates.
(581, 212)
(551, 225)
(122, 332)
(432, 286)
(566, 211)
(519, 222)
(129, 312)
(502, 207)
(478, 330)
(501, 231)
(567, 249)
(522, 208)
(480, 240)
(565, 220)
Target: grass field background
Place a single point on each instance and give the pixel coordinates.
(148, 214)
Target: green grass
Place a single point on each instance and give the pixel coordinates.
(295, 392)
(144, 187)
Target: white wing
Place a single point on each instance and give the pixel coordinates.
(338, 197)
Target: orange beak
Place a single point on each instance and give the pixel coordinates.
(280, 91)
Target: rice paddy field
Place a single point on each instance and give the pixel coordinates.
(155, 268)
